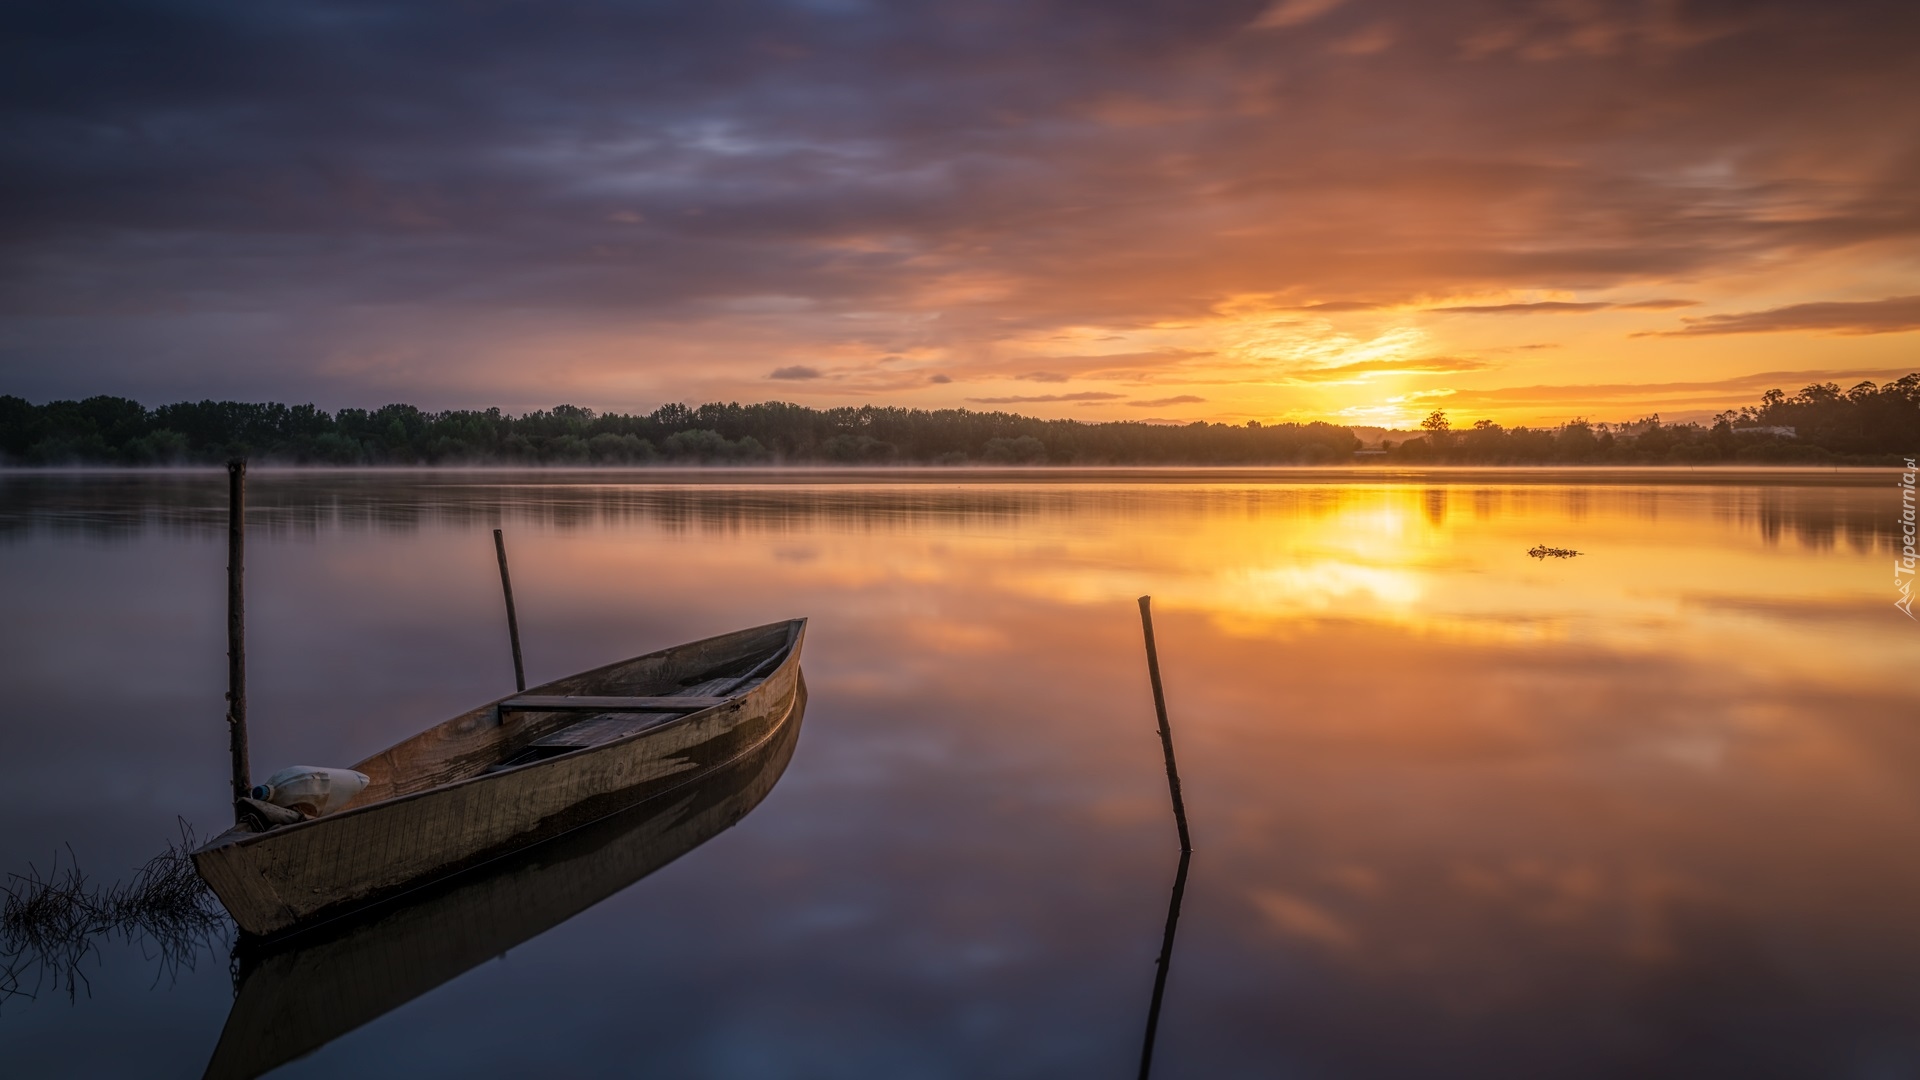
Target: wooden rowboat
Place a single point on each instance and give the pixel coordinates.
(302, 990)
(513, 773)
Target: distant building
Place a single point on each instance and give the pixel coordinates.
(1367, 454)
(1776, 430)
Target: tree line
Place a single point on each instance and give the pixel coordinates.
(1866, 424)
(1822, 424)
(111, 430)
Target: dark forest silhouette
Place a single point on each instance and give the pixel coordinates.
(1822, 424)
(1867, 424)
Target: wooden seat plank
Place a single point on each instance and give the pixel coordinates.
(596, 730)
(586, 703)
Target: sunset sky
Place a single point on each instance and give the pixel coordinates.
(1353, 210)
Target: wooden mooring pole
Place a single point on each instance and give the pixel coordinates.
(1166, 734)
(237, 625)
(513, 621)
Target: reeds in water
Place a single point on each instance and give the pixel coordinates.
(50, 925)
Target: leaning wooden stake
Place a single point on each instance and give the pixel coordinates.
(237, 625)
(513, 622)
(1166, 734)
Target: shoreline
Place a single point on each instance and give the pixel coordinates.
(694, 475)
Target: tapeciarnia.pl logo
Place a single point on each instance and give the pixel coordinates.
(1903, 566)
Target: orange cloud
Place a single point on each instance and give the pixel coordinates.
(1563, 307)
(1432, 365)
(1286, 13)
(1017, 399)
(1896, 314)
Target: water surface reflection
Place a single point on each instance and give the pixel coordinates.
(1457, 812)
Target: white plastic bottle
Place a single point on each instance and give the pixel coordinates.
(311, 789)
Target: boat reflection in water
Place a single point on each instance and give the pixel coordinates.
(300, 993)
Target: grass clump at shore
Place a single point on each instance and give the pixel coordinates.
(51, 924)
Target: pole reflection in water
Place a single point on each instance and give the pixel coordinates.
(296, 995)
(1165, 961)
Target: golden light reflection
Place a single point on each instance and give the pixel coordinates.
(1440, 782)
(1323, 587)
(1665, 571)
(1418, 558)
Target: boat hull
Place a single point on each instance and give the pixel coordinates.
(301, 991)
(293, 876)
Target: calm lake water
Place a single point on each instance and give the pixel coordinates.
(1649, 811)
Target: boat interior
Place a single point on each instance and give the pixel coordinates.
(594, 722)
(580, 712)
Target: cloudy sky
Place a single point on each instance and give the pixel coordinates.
(1145, 209)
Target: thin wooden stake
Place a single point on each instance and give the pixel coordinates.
(513, 621)
(237, 625)
(1166, 734)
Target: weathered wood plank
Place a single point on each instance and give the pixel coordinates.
(588, 703)
(603, 729)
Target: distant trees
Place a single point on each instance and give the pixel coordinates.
(1025, 450)
(1866, 424)
(1866, 419)
(108, 430)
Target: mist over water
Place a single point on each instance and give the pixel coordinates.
(1457, 812)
